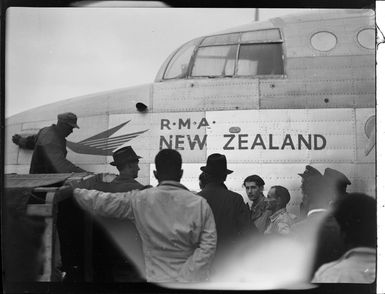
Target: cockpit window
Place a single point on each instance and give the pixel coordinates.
(221, 40)
(260, 59)
(261, 36)
(178, 66)
(251, 53)
(215, 61)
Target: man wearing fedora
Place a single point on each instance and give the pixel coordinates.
(127, 163)
(110, 264)
(176, 226)
(50, 146)
(232, 217)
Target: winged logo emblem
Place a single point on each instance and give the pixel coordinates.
(370, 132)
(103, 143)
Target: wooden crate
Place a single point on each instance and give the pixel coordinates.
(48, 210)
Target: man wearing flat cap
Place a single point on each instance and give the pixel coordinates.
(232, 217)
(50, 146)
(49, 156)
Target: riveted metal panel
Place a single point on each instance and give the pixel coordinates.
(297, 36)
(339, 67)
(317, 93)
(363, 178)
(278, 135)
(206, 94)
(173, 95)
(222, 94)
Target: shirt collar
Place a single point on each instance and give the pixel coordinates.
(359, 250)
(259, 200)
(126, 178)
(173, 184)
(316, 210)
(275, 215)
(217, 185)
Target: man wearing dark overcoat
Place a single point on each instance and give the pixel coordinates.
(232, 217)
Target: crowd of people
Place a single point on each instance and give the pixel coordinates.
(181, 236)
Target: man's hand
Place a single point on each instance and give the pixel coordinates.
(24, 142)
(16, 139)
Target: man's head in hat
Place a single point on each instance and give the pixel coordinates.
(309, 178)
(216, 168)
(126, 161)
(337, 183)
(66, 122)
(311, 187)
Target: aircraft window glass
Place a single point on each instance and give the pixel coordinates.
(260, 59)
(261, 36)
(215, 61)
(367, 38)
(178, 66)
(221, 40)
(323, 41)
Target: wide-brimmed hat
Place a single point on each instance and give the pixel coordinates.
(69, 118)
(310, 172)
(336, 176)
(216, 165)
(124, 155)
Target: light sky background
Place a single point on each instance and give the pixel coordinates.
(58, 53)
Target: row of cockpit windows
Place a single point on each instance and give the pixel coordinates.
(254, 53)
(239, 54)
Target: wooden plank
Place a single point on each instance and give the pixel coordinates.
(39, 210)
(47, 241)
(34, 180)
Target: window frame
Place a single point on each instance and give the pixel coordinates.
(212, 77)
(238, 43)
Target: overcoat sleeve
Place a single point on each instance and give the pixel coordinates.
(117, 205)
(57, 157)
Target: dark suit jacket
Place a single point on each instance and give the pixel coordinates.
(107, 255)
(232, 217)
